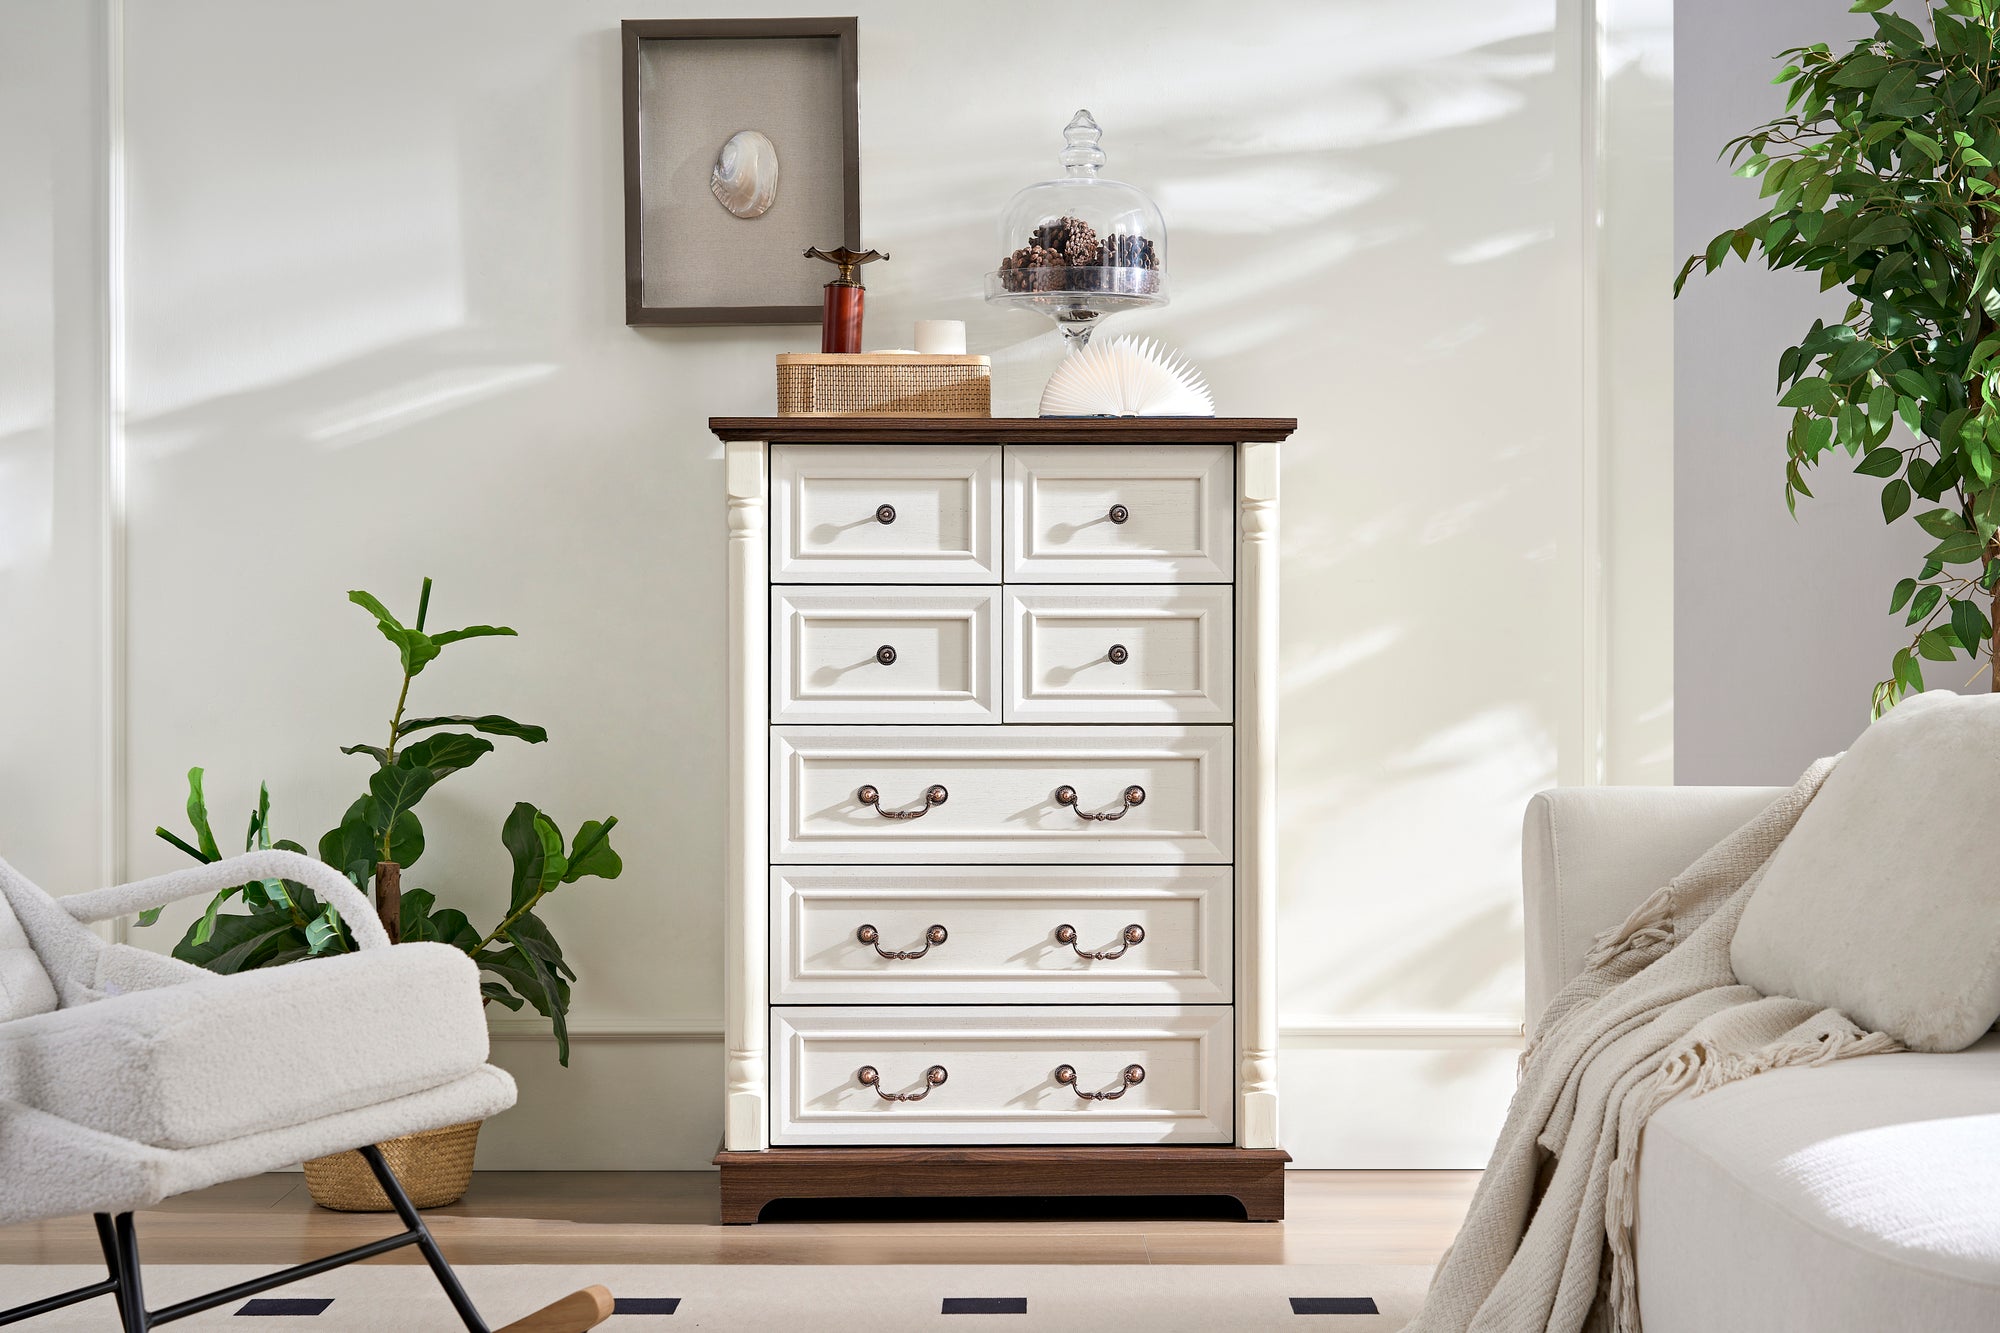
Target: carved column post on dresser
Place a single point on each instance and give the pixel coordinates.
(1001, 881)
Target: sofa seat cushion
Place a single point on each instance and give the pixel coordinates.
(221, 1057)
(1860, 1195)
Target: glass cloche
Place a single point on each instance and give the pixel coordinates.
(1082, 245)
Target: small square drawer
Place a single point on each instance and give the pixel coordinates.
(885, 655)
(1053, 795)
(1001, 935)
(1007, 1074)
(885, 513)
(1125, 654)
(1120, 514)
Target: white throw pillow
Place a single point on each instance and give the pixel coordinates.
(1884, 900)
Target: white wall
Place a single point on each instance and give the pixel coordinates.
(1784, 625)
(371, 303)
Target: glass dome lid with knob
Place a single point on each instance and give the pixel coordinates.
(1082, 245)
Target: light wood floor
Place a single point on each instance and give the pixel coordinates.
(665, 1217)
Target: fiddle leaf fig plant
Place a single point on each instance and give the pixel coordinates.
(380, 836)
(1881, 178)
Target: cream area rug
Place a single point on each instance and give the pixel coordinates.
(1161, 1298)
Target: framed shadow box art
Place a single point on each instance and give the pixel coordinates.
(741, 150)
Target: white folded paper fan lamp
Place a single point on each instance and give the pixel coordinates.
(1126, 377)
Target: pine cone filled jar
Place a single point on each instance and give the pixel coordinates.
(1082, 245)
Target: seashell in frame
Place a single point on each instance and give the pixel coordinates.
(745, 180)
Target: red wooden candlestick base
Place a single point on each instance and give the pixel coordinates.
(840, 321)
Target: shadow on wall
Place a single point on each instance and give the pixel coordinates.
(377, 332)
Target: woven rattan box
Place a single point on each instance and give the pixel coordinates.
(883, 384)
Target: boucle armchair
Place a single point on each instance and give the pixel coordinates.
(127, 1077)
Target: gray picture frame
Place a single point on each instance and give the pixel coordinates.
(670, 118)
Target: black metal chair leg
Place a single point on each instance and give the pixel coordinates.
(131, 1291)
(415, 1223)
(107, 1240)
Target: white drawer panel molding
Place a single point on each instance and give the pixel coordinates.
(986, 935)
(1056, 795)
(1000, 1079)
(885, 655)
(851, 513)
(1120, 654)
(1125, 514)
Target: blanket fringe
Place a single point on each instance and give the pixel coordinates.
(1693, 1070)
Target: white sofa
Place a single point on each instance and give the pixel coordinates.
(1862, 1195)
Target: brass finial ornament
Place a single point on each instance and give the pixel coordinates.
(848, 261)
(840, 315)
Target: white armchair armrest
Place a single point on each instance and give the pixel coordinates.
(1589, 855)
(322, 879)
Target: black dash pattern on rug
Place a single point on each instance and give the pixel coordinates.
(645, 1304)
(287, 1305)
(1334, 1305)
(985, 1305)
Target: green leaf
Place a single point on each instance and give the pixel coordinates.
(181, 843)
(1926, 602)
(591, 853)
(372, 604)
(376, 752)
(533, 980)
(150, 916)
(241, 943)
(205, 927)
(1959, 548)
(444, 755)
(499, 994)
(1904, 591)
(1867, 6)
(323, 931)
(1969, 625)
(1940, 522)
(1811, 391)
(1883, 462)
(1895, 500)
(471, 632)
(1938, 644)
(197, 813)
(535, 845)
(490, 723)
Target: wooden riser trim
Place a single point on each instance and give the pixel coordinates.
(1254, 1177)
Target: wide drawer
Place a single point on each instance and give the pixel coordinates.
(1000, 1080)
(1058, 795)
(1095, 654)
(1023, 935)
(893, 514)
(885, 654)
(1120, 514)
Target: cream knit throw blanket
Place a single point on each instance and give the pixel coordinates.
(1656, 1012)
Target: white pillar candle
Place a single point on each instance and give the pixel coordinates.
(941, 337)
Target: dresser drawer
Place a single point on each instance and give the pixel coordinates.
(1120, 515)
(885, 513)
(1091, 654)
(1003, 938)
(1000, 1081)
(993, 794)
(885, 655)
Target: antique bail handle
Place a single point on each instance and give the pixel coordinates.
(1131, 935)
(933, 1077)
(1133, 1076)
(935, 935)
(1134, 795)
(936, 795)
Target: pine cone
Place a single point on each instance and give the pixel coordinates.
(1080, 244)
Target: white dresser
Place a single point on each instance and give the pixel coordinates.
(1000, 896)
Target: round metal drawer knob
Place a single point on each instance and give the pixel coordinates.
(886, 655)
(885, 514)
(1119, 654)
(1119, 513)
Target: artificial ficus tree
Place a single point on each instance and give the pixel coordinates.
(1881, 178)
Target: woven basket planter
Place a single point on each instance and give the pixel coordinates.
(435, 1168)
